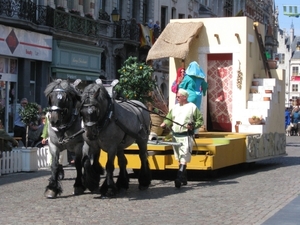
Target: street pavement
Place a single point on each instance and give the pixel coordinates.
(266, 192)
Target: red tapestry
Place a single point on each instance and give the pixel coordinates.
(219, 78)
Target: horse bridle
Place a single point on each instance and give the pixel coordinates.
(102, 122)
(62, 111)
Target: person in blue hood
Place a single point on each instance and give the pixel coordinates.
(194, 82)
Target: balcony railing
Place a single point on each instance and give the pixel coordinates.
(65, 21)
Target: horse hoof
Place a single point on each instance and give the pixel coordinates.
(110, 194)
(61, 175)
(78, 191)
(142, 188)
(50, 194)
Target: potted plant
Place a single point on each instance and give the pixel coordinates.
(74, 11)
(136, 81)
(89, 15)
(60, 8)
(29, 115)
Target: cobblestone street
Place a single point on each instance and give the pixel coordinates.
(237, 196)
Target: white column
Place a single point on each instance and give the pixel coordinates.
(51, 3)
(75, 4)
(92, 7)
(80, 7)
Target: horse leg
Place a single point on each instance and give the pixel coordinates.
(109, 187)
(54, 187)
(145, 172)
(91, 174)
(123, 178)
(78, 186)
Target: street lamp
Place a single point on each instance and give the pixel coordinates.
(115, 15)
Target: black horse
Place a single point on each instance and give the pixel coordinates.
(112, 126)
(65, 132)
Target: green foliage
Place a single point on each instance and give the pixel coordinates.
(30, 113)
(136, 80)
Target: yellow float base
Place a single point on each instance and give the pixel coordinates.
(214, 150)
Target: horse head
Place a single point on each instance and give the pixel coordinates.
(95, 109)
(64, 102)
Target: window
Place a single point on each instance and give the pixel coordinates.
(70, 4)
(145, 11)
(173, 16)
(295, 87)
(135, 10)
(281, 58)
(295, 71)
(228, 8)
(163, 18)
(180, 16)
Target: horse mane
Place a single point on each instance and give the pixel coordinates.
(94, 92)
(63, 84)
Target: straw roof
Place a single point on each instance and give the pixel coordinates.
(174, 41)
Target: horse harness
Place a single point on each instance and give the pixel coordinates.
(62, 129)
(110, 113)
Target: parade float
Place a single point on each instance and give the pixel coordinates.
(242, 87)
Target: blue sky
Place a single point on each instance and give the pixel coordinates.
(286, 21)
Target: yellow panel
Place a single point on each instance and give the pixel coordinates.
(220, 153)
(156, 162)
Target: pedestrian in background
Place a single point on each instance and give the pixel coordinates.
(6, 141)
(287, 116)
(19, 126)
(296, 120)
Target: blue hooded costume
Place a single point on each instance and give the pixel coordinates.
(194, 83)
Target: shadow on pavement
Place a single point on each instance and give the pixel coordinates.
(18, 177)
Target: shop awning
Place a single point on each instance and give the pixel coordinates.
(175, 40)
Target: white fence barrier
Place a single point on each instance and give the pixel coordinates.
(11, 161)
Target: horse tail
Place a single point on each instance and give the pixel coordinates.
(91, 175)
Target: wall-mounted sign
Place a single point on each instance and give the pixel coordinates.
(25, 44)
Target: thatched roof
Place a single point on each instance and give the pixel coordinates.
(174, 41)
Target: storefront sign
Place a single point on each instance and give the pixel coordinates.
(24, 44)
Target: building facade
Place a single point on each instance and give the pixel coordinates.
(85, 39)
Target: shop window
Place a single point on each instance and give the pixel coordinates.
(32, 79)
(3, 65)
(13, 66)
(33, 71)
